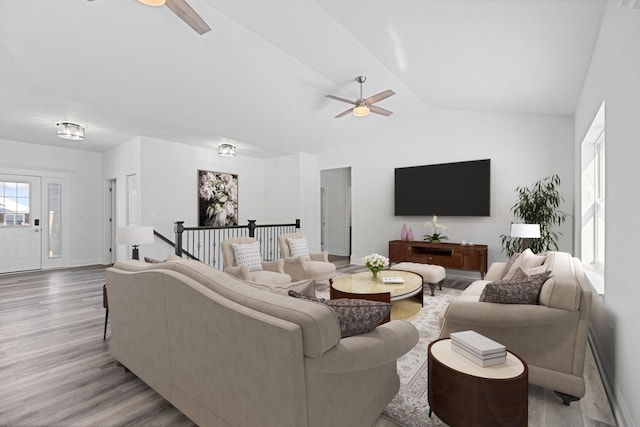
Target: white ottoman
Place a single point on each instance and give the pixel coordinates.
(432, 275)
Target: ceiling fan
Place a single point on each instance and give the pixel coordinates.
(363, 106)
(184, 12)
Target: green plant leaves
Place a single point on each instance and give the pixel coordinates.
(538, 204)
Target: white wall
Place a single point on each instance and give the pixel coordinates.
(614, 77)
(271, 191)
(87, 199)
(522, 148)
(118, 163)
(292, 191)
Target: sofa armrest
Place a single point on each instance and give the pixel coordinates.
(275, 266)
(241, 272)
(495, 272)
(383, 345)
(504, 319)
(320, 256)
(295, 267)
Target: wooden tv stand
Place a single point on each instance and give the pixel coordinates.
(448, 255)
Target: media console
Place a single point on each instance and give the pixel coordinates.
(448, 255)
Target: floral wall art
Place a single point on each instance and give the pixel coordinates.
(217, 199)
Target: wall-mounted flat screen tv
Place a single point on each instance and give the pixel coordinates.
(448, 189)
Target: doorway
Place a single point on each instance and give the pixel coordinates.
(20, 223)
(336, 211)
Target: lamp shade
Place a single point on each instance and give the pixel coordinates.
(527, 231)
(134, 235)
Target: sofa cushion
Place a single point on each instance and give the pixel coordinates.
(527, 259)
(561, 290)
(356, 316)
(299, 247)
(248, 254)
(522, 290)
(320, 328)
(303, 287)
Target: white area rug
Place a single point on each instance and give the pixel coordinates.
(410, 407)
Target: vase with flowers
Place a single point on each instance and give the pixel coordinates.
(438, 228)
(375, 263)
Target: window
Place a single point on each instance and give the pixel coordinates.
(593, 201)
(54, 210)
(14, 203)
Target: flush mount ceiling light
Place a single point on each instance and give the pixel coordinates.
(226, 150)
(68, 130)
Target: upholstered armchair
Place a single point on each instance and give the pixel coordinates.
(301, 264)
(242, 259)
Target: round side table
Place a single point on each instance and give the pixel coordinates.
(462, 393)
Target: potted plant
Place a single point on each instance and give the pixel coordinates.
(436, 236)
(538, 204)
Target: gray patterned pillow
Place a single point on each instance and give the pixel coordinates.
(356, 316)
(522, 290)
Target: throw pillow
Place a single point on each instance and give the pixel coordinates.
(302, 287)
(299, 247)
(524, 290)
(355, 316)
(153, 261)
(527, 259)
(510, 263)
(248, 254)
(527, 272)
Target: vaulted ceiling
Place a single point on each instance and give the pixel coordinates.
(260, 76)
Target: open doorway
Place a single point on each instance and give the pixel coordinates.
(336, 213)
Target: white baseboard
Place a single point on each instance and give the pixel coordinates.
(616, 399)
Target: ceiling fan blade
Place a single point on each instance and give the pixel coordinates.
(185, 12)
(379, 110)
(379, 96)
(344, 113)
(337, 98)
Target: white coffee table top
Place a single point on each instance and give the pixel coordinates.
(441, 350)
(363, 283)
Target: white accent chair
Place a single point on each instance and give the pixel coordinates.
(317, 266)
(272, 271)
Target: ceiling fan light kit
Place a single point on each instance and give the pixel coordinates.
(183, 11)
(361, 106)
(153, 2)
(361, 110)
(72, 131)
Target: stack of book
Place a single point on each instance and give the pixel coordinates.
(478, 348)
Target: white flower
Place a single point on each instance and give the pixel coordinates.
(375, 262)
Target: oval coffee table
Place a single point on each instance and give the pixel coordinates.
(363, 286)
(462, 393)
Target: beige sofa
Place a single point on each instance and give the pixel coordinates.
(227, 354)
(551, 336)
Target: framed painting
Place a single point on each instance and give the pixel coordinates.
(217, 199)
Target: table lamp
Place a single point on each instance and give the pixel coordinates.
(525, 232)
(134, 236)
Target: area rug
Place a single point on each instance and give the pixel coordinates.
(410, 408)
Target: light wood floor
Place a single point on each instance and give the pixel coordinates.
(56, 370)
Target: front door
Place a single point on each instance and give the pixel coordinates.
(20, 227)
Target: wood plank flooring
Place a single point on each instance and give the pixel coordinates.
(56, 370)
